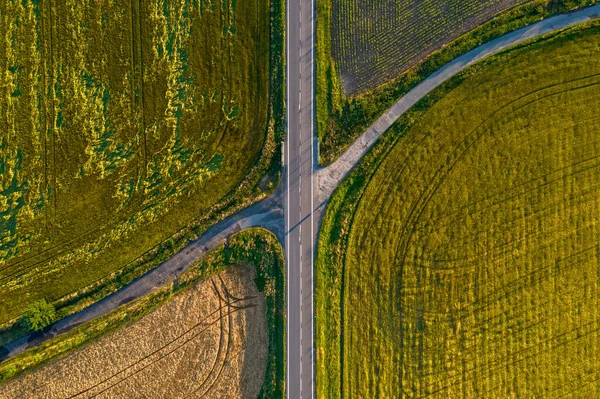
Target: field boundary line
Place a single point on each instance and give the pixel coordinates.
(194, 335)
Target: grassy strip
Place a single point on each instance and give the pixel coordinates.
(340, 119)
(337, 223)
(251, 190)
(261, 248)
(328, 91)
(256, 247)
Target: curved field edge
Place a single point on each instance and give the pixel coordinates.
(256, 247)
(339, 215)
(261, 181)
(341, 119)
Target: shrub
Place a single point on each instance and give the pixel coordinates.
(39, 315)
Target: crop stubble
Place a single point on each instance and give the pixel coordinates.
(209, 341)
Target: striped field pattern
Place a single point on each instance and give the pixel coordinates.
(464, 260)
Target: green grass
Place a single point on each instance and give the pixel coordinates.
(256, 247)
(460, 258)
(343, 116)
(126, 132)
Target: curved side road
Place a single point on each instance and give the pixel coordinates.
(267, 213)
(330, 177)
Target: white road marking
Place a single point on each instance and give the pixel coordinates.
(312, 196)
(287, 238)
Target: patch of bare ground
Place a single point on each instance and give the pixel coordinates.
(208, 341)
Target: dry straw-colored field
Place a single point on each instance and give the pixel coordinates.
(208, 341)
(463, 261)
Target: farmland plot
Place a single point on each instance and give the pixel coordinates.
(209, 341)
(122, 122)
(461, 259)
(374, 41)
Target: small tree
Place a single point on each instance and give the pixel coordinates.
(39, 314)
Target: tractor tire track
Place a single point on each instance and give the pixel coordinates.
(162, 356)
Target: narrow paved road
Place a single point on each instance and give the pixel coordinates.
(298, 199)
(267, 213)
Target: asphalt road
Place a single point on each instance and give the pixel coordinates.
(298, 199)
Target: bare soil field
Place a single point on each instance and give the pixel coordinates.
(209, 341)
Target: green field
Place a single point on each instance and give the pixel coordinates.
(373, 41)
(370, 53)
(123, 123)
(461, 258)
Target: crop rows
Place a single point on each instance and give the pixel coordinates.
(194, 358)
(222, 316)
(375, 41)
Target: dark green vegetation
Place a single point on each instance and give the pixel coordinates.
(460, 258)
(341, 114)
(255, 247)
(126, 130)
(38, 315)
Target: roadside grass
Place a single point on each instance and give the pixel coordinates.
(461, 253)
(343, 116)
(257, 248)
(113, 157)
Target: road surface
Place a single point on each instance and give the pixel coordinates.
(298, 199)
(267, 213)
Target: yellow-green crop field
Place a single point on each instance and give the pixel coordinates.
(462, 258)
(120, 124)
